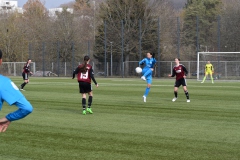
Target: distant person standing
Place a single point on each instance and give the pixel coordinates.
(180, 72)
(209, 70)
(84, 75)
(25, 74)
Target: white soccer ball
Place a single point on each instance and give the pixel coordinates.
(138, 70)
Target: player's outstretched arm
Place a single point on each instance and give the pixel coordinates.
(19, 114)
(4, 123)
(92, 77)
(142, 62)
(25, 108)
(173, 73)
(75, 72)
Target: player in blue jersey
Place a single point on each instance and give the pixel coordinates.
(149, 63)
(10, 93)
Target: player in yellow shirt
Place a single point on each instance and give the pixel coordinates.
(209, 70)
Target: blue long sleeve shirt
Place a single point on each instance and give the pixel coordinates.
(10, 93)
(149, 63)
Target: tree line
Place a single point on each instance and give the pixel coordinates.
(97, 26)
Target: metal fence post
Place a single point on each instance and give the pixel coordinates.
(219, 39)
(159, 73)
(197, 34)
(43, 63)
(122, 47)
(105, 48)
(178, 37)
(219, 33)
(29, 50)
(88, 48)
(140, 39)
(73, 58)
(58, 56)
(111, 58)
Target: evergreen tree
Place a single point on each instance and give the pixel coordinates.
(206, 12)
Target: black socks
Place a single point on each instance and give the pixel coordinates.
(90, 101)
(22, 85)
(187, 95)
(175, 93)
(84, 103)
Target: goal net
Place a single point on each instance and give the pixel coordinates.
(15, 68)
(226, 65)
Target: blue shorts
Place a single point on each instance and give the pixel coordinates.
(149, 80)
(148, 77)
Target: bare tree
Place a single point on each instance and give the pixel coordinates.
(230, 23)
(12, 38)
(132, 14)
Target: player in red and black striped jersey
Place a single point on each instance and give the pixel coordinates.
(84, 76)
(25, 74)
(180, 72)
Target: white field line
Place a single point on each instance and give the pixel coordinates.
(130, 84)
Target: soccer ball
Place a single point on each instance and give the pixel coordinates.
(138, 70)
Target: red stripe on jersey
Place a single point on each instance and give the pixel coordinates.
(179, 71)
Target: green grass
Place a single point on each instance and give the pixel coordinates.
(122, 126)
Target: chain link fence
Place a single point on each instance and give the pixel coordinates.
(224, 70)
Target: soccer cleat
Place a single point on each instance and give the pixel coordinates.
(84, 112)
(188, 100)
(89, 110)
(22, 90)
(174, 99)
(202, 82)
(143, 78)
(212, 82)
(144, 98)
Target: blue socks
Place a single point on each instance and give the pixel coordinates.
(146, 92)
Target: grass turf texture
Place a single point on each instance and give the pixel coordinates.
(123, 126)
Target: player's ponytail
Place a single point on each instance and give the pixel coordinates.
(153, 54)
(26, 64)
(83, 68)
(0, 54)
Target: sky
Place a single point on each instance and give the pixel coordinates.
(48, 3)
(57, 3)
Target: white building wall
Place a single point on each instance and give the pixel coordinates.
(11, 6)
(8, 6)
(53, 11)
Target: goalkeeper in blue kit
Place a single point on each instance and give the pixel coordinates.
(10, 93)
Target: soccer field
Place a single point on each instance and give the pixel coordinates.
(122, 125)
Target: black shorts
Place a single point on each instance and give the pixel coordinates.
(25, 76)
(85, 87)
(180, 82)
